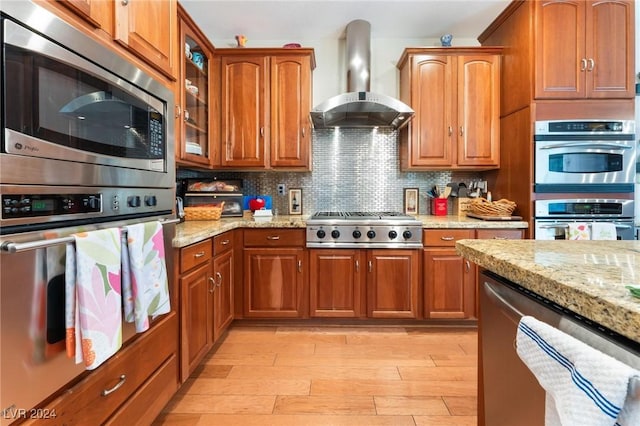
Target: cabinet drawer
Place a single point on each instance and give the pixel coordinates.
(195, 254)
(499, 234)
(274, 237)
(445, 237)
(85, 402)
(222, 243)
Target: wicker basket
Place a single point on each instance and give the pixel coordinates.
(482, 206)
(203, 212)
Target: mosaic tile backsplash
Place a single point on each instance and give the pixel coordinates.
(353, 170)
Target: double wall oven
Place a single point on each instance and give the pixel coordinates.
(86, 144)
(584, 172)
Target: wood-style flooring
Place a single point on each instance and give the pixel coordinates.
(332, 376)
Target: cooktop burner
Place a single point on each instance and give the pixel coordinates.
(374, 229)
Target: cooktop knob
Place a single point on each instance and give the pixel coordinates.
(356, 234)
(407, 235)
(371, 234)
(321, 233)
(393, 234)
(335, 233)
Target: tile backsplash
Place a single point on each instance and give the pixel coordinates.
(353, 170)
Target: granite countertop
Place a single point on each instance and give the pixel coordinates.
(587, 277)
(191, 232)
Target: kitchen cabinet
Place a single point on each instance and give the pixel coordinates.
(357, 283)
(584, 49)
(206, 301)
(195, 122)
(145, 28)
(449, 280)
(275, 273)
(135, 383)
(455, 93)
(265, 103)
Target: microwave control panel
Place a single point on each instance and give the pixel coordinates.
(31, 205)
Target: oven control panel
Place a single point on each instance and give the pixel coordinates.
(30, 205)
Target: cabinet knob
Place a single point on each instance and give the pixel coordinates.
(212, 285)
(357, 266)
(447, 238)
(461, 130)
(106, 392)
(370, 266)
(450, 130)
(299, 265)
(592, 64)
(178, 111)
(224, 242)
(125, 2)
(262, 132)
(273, 237)
(198, 254)
(219, 279)
(304, 132)
(583, 64)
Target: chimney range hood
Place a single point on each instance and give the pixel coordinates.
(359, 107)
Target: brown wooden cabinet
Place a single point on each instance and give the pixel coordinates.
(584, 49)
(265, 104)
(455, 93)
(223, 270)
(353, 283)
(275, 273)
(134, 25)
(194, 124)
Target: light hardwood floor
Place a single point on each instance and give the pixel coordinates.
(332, 376)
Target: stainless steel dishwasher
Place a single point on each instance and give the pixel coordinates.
(510, 393)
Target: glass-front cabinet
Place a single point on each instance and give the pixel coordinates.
(193, 112)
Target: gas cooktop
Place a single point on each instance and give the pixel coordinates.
(338, 229)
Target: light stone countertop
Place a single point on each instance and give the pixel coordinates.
(191, 232)
(587, 277)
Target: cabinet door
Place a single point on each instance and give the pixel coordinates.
(273, 280)
(432, 93)
(560, 63)
(449, 285)
(478, 110)
(148, 28)
(609, 49)
(392, 283)
(97, 12)
(223, 295)
(196, 290)
(244, 95)
(336, 283)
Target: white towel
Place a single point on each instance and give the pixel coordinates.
(584, 386)
(578, 231)
(603, 231)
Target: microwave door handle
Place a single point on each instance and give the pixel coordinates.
(618, 225)
(600, 145)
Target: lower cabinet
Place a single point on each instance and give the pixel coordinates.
(275, 273)
(348, 283)
(206, 297)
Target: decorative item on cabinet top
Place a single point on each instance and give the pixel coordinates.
(227, 193)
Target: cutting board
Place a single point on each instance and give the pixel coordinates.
(493, 218)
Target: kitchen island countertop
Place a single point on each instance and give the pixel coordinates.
(191, 232)
(587, 277)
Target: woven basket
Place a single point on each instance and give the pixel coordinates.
(203, 213)
(482, 206)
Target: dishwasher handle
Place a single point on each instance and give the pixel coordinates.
(511, 311)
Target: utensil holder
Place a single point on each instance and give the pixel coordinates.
(439, 206)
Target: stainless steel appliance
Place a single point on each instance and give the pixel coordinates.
(87, 143)
(585, 156)
(511, 393)
(552, 217)
(330, 229)
(76, 113)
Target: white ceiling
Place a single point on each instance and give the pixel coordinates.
(295, 20)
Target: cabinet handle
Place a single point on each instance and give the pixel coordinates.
(212, 287)
(450, 130)
(273, 237)
(357, 266)
(106, 392)
(583, 64)
(299, 265)
(467, 266)
(262, 132)
(125, 2)
(461, 130)
(224, 242)
(219, 279)
(592, 64)
(447, 238)
(178, 111)
(499, 238)
(370, 263)
(198, 254)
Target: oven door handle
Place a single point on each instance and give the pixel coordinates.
(566, 225)
(11, 247)
(599, 145)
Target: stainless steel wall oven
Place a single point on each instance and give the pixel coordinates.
(86, 144)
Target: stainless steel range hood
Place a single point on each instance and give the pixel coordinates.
(359, 107)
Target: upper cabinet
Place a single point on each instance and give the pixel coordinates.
(265, 100)
(455, 93)
(146, 28)
(194, 126)
(584, 49)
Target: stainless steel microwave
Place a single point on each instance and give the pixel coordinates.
(75, 112)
